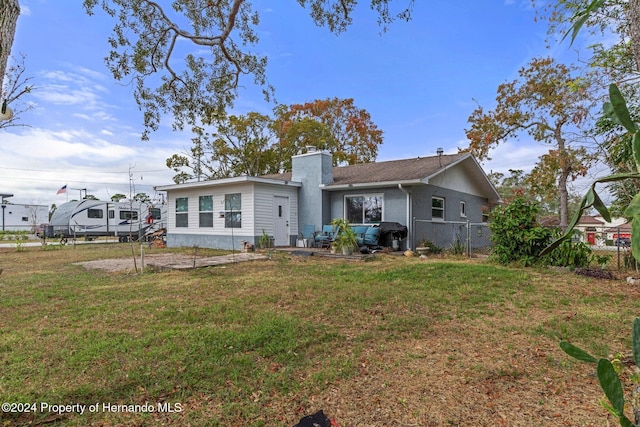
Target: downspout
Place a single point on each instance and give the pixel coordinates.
(408, 220)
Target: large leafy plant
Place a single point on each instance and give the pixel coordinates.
(617, 111)
(608, 376)
(517, 237)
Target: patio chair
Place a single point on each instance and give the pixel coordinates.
(360, 231)
(371, 236)
(308, 233)
(326, 236)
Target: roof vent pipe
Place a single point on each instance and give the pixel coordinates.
(311, 148)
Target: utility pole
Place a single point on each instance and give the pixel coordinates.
(3, 204)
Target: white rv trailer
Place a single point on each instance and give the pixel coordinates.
(94, 218)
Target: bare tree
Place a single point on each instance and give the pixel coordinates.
(16, 85)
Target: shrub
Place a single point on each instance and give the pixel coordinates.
(569, 254)
(515, 233)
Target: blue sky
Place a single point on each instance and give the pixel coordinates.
(418, 81)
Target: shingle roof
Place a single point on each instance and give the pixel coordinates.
(387, 171)
(589, 219)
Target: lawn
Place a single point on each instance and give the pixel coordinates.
(393, 341)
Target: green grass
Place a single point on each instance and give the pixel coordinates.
(235, 344)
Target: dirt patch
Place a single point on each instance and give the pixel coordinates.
(170, 261)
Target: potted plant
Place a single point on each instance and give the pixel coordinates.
(424, 247)
(347, 239)
(333, 247)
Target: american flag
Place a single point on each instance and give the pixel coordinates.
(62, 189)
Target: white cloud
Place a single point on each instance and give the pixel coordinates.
(514, 155)
(36, 162)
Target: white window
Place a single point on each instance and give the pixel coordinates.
(485, 214)
(437, 208)
(206, 211)
(233, 210)
(463, 209)
(182, 212)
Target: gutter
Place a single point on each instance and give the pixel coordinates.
(408, 219)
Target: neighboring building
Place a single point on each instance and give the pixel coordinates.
(433, 196)
(17, 217)
(594, 230)
(621, 231)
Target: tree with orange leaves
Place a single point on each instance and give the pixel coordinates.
(335, 125)
(551, 105)
(256, 144)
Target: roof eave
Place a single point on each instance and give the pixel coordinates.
(227, 181)
(365, 185)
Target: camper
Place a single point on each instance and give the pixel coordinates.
(129, 220)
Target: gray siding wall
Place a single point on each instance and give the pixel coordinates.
(441, 232)
(394, 203)
(444, 233)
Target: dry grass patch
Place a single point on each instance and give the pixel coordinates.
(390, 342)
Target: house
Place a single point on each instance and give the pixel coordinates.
(433, 196)
(595, 230)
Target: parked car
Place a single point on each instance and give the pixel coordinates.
(624, 242)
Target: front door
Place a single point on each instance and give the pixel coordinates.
(281, 221)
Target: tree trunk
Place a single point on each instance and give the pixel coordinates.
(565, 171)
(564, 199)
(9, 11)
(634, 17)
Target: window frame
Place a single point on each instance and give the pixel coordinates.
(182, 216)
(463, 209)
(93, 213)
(156, 212)
(205, 216)
(133, 215)
(438, 208)
(232, 212)
(363, 214)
